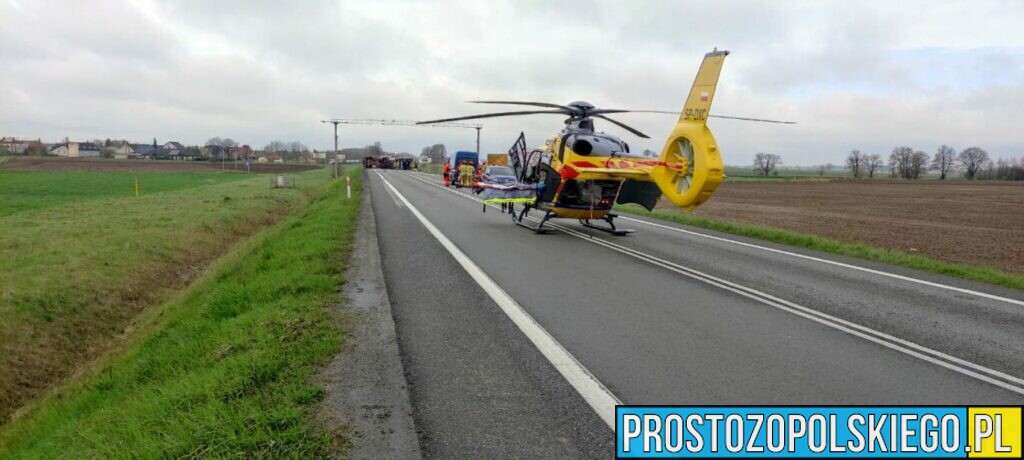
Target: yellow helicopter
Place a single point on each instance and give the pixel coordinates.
(580, 173)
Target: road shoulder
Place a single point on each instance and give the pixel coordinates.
(366, 394)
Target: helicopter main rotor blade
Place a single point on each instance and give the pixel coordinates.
(603, 111)
(537, 104)
(623, 126)
(761, 120)
(491, 115)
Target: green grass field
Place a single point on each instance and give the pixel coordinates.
(26, 191)
(221, 369)
(76, 268)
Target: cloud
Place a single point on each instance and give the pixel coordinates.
(855, 76)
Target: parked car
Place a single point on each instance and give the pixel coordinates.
(498, 174)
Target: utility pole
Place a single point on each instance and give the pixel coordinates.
(335, 123)
(478, 141)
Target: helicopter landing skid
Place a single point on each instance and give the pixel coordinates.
(610, 218)
(518, 219)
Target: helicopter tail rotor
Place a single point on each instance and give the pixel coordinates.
(690, 166)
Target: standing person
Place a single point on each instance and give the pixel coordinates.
(466, 174)
(446, 172)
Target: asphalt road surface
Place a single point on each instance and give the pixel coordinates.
(668, 315)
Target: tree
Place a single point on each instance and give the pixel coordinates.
(943, 161)
(436, 152)
(821, 170)
(918, 164)
(902, 162)
(854, 162)
(297, 147)
(872, 163)
(275, 146)
(1010, 169)
(765, 163)
(973, 159)
(215, 142)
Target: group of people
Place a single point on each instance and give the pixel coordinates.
(466, 173)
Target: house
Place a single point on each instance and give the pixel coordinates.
(269, 157)
(173, 150)
(20, 146)
(75, 150)
(173, 145)
(132, 151)
(241, 152)
(147, 151)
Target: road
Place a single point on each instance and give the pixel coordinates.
(668, 315)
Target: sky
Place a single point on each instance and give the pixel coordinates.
(864, 75)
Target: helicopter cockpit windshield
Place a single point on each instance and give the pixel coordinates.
(597, 144)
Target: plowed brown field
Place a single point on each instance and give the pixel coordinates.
(979, 223)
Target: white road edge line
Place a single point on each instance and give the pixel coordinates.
(393, 197)
(881, 338)
(600, 399)
(831, 262)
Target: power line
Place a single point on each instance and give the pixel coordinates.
(374, 121)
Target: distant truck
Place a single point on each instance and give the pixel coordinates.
(497, 159)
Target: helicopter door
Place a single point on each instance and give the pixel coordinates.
(549, 182)
(645, 194)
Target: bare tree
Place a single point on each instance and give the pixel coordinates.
(907, 163)
(872, 163)
(900, 160)
(854, 162)
(438, 153)
(973, 159)
(821, 170)
(944, 160)
(215, 141)
(764, 163)
(1010, 169)
(918, 164)
(297, 147)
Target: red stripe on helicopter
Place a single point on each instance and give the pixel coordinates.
(610, 163)
(584, 164)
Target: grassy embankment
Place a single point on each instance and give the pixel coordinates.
(80, 257)
(971, 272)
(221, 369)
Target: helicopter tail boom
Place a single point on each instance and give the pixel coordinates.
(691, 149)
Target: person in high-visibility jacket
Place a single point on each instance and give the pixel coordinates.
(466, 173)
(445, 170)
